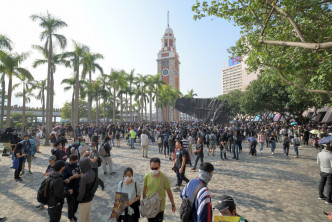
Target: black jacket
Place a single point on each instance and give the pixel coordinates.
(69, 171)
(56, 189)
(86, 182)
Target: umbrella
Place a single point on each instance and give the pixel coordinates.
(314, 132)
(294, 123)
(327, 139)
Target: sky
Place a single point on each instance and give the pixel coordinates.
(128, 34)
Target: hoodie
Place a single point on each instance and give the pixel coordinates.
(86, 182)
(57, 191)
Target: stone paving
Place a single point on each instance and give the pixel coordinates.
(265, 188)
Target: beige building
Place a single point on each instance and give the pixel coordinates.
(234, 76)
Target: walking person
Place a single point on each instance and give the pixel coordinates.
(252, 143)
(85, 197)
(199, 152)
(28, 151)
(132, 138)
(18, 161)
(202, 209)
(128, 185)
(57, 192)
(296, 143)
(71, 176)
(286, 142)
(260, 140)
(144, 144)
(272, 140)
(235, 145)
(151, 183)
(179, 165)
(324, 159)
(105, 153)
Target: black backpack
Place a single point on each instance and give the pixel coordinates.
(187, 205)
(44, 191)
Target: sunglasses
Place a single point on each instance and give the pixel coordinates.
(154, 168)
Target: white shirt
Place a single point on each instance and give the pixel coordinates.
(144, 140)
(131, 191)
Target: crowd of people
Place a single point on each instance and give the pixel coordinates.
(72, 173)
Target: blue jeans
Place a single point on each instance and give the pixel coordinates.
(296, 149)
(196, 161)
(273, 145)
(112, 141)
(261, 146)
(132, 142)
(236, 151)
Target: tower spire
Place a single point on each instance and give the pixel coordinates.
(168, 19)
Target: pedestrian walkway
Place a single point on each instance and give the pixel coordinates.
(265, 188)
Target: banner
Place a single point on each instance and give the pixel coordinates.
(119, 204)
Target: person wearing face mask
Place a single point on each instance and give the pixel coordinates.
(151, 184)
(128, 185)
(227, 207)
(202, 210)
(93, 154)
(71, 176)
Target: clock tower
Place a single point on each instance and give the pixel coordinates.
(168, 66)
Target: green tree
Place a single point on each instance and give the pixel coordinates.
(90, 66)
(233, 99)
(66, 110)
(287, 39)
(190, 94)
(41, 87)
(50, 26)
(75, 60)
(10, 64)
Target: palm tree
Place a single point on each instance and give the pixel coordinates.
(26, 94)
(50, 25)
(190, 94)
(10, 64)
(41, 86)
(141, 82)
(89, 66)
(116, 80)
(130, 79)
(75, 59)
(175, 94)
(106, 95)
(5, 42)
(157, 82)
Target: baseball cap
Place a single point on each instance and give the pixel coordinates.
(52, 157)
(225, 202)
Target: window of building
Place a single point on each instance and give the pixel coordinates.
(165, 63)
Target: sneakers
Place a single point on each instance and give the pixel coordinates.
(18, 179)
(328, 202)
(193, 169)
(29, 172)
(22, 173)
(40, 206)
(322, 198)
(176, 189)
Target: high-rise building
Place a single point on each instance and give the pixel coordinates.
(168, 65)
(234, 76)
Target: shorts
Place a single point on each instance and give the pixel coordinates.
(28, 158)
(171, 149)
(212, 146)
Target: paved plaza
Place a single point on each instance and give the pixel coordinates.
(265, 188)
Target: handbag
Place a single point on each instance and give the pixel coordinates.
(151, 205)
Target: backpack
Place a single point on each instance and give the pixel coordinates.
(151, 205)
(102, 150)
(43, 191)
(187, 204)
(159, 140)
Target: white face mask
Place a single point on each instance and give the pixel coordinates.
(154, 172)
(127, 179)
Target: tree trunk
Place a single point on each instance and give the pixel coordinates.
(114, 101)
(72, 107)
(51, 101)
(121, 107)
(3, 97)
(23, 111)
(142, 105)
(49, 91)
(157, 112)
(131, 108)
(43, 107)
(89, 103)
(9, 101)
(77, 95)
(126, 107)
(104, 111)
(97, 112)
(150, 107)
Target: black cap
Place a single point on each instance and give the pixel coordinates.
(225, 202)
(206, 166)
(59, 164)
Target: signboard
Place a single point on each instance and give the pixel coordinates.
(234, 61)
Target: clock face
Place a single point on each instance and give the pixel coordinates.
(165, 72)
